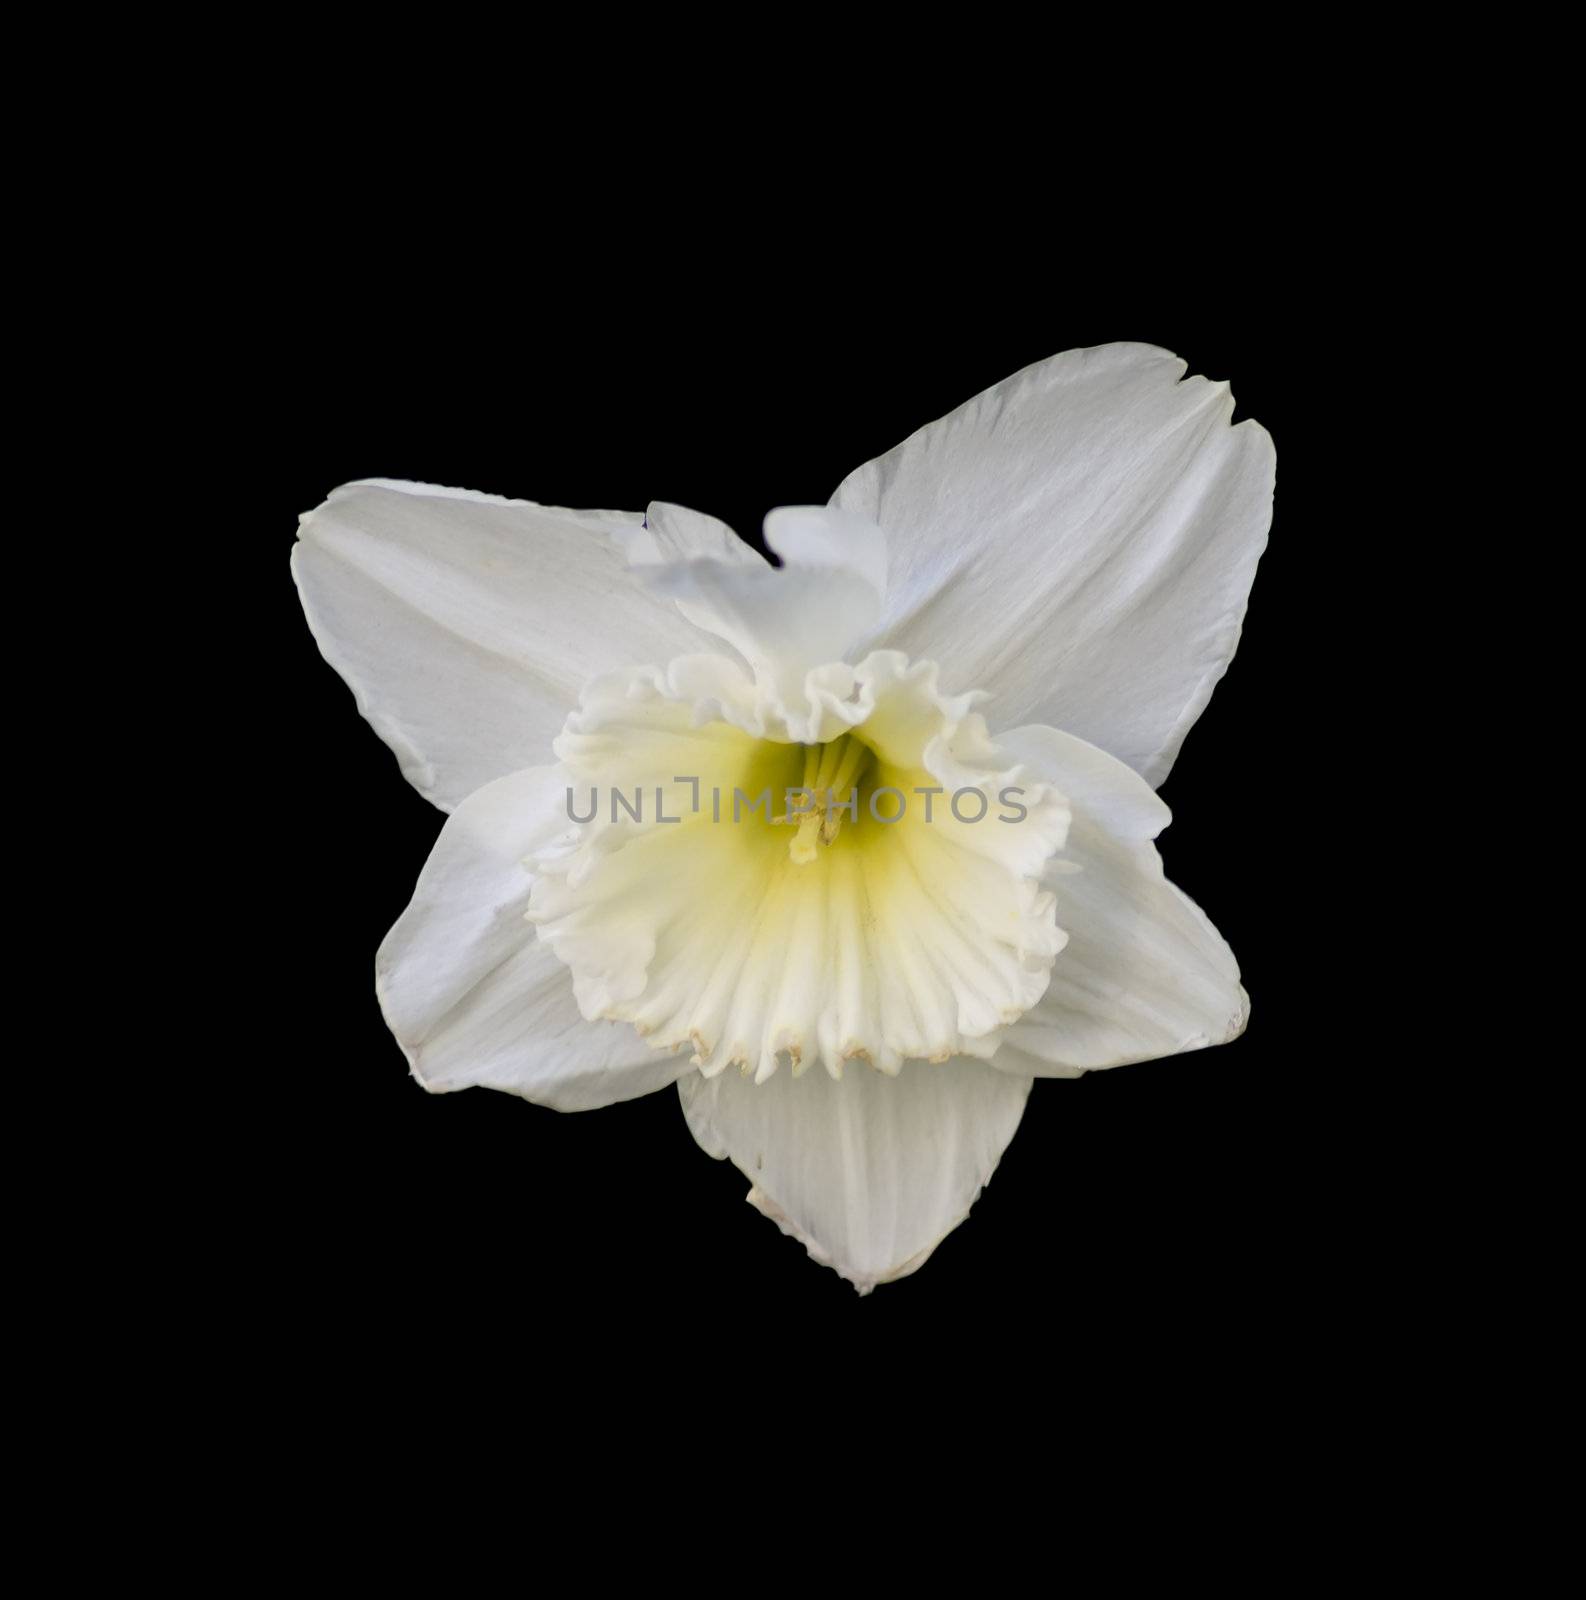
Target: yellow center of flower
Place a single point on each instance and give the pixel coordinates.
(778, 900)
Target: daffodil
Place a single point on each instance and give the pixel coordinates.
(745, 830)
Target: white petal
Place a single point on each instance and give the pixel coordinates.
(1080, 541)
(788, 621)
(674, 533)
(822, 539)
(868, 1172)
(468, 990)
(466, 624)
(1144, 973)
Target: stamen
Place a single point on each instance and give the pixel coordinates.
(831, 754)
(829, 781)
(848, 768)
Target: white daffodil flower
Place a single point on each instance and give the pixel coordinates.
(921, 919)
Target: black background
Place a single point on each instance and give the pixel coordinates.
(1149, 1203)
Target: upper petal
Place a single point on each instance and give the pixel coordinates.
(1144, 973)
(787, 621)
(1080, 540)
(869, 1172)
(466, 624)
(470, 993)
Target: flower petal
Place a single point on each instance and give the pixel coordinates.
(787, 621)
(1144, 973)
(870, 1173)
(468, 990)
(674, 533)
(1079, 540)
(466, 624)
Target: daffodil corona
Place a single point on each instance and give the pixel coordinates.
(711, 814)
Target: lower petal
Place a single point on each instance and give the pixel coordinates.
(870, 1173)
(1144, 973)
(468, 990)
